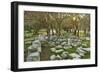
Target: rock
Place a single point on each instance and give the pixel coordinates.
(52, 43)
(55, 39)
(85, 38)
(29, 59)
(74, 55)
(59, 46)
(59, 51)
(60, 40)
(55, 57)
(52, 38)
(67, 47)
(52, 57)
(79, 40)
(80, 50)
(81, 54)
(36, 45)
(63, 39)
(58, 57)
(53, 49)
(63, 43)
(82, 38)
(35, 56)
(64, 55)
(76, 40)
(86, 49)
(30, 47)
(41, 38)
(69, 41)
(57, 43)
(84, 45)
(75, 44)
(46, 37)
(39, 49)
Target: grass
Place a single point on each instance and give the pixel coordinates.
(86, 56)
(81, 33)
(87, 42)
(45, 54)
(71, 50)
(29, 39)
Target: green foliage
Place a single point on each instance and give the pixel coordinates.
(85, 43)
(86, 56)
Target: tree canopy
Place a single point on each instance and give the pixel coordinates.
(56, 21)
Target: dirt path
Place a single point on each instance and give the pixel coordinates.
(45, 54)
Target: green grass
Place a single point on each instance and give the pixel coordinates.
(29, 39)
(87, 42)
(86, 56)
(81, 33)
(45, 54)
(71, 50)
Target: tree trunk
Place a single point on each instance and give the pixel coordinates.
(59, 30)
(78, 33)
(48, 34)
(75, 31)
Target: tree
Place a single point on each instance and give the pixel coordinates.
(85, 23)
(58, 19)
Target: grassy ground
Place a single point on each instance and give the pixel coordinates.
(45, 54)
